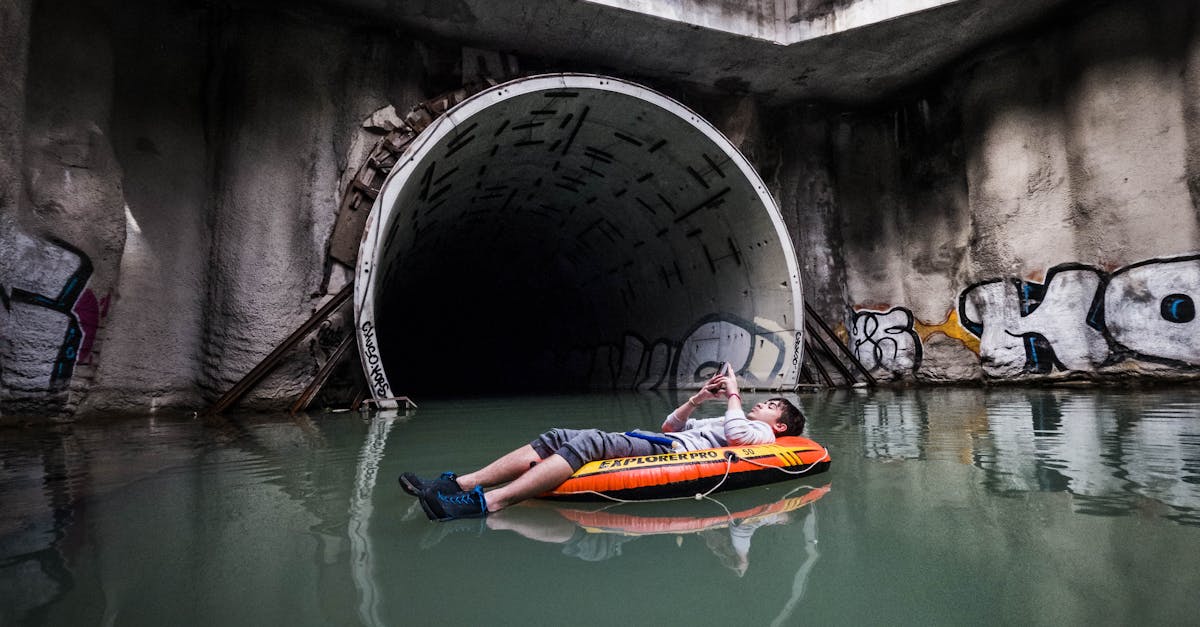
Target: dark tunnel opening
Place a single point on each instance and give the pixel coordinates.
(492, 324)
(573, 232)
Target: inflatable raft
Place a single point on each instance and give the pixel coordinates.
(690, 473)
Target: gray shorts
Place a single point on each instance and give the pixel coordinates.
(580, 446)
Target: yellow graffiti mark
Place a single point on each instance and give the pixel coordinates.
(950, 328)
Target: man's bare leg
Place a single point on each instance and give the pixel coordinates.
(545, 476)
(502, 470)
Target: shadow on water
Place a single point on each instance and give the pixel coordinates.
(266, 519)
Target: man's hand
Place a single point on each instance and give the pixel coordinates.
(720, 385)
(713, 388)
(730, 381)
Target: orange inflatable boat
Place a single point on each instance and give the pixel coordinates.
(691, 473)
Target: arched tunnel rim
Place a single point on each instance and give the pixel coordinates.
(384, 211)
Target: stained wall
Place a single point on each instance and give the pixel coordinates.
(1030, 216)
(170, 174)
(169, 195)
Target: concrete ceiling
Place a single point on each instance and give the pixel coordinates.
(849, 51)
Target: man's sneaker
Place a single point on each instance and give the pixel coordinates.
(442, 506)
(415, 485)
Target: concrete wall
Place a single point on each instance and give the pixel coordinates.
(169, 178)
(63, 220)
(780, 22)
(1032, 215)
(169, 194)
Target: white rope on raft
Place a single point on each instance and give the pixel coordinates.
(791, 472)
(729, 457)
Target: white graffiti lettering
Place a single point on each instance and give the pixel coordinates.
(41, 282)
(1031, 327)
(757, 354)
(1151, 309)
(1082, 318)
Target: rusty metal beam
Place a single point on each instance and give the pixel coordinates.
(817, 364)
(264, 367)
(837, 363)
(310, 392)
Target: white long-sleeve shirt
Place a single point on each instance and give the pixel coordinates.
(732, 430)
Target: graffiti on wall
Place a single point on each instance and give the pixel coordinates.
(756, 352)
(90, 311)
(43, 292)
(885, 340)
(892, 339)
(1083, 318)
(1077, 318)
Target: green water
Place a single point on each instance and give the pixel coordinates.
(943, 506)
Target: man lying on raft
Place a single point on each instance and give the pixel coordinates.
(554, 456)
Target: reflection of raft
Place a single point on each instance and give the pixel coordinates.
(687, 473)
(629, 524)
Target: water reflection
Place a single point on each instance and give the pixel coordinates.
(894, 427)
(362, 557)
(1117, 451)
(271, 520)
(596, 533)
(103, 514)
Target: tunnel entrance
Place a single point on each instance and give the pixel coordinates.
(566, 232)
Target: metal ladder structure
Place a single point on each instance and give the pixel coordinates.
(817, 353)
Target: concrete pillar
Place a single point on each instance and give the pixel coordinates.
(67, 229)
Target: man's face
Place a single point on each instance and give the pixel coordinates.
(768, 412)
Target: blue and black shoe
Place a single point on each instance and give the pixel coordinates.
(415, 485)
(443, 506)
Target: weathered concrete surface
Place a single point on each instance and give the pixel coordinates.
(780, 23)
(805, 185)
(1065, 225)
(1023, 209)
(14, 40)
(161, 94)
(850, 51)
(64, 220)
(168, 203)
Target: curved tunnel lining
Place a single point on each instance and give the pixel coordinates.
(397, 193)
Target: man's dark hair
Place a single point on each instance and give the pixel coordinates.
(791, 417)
